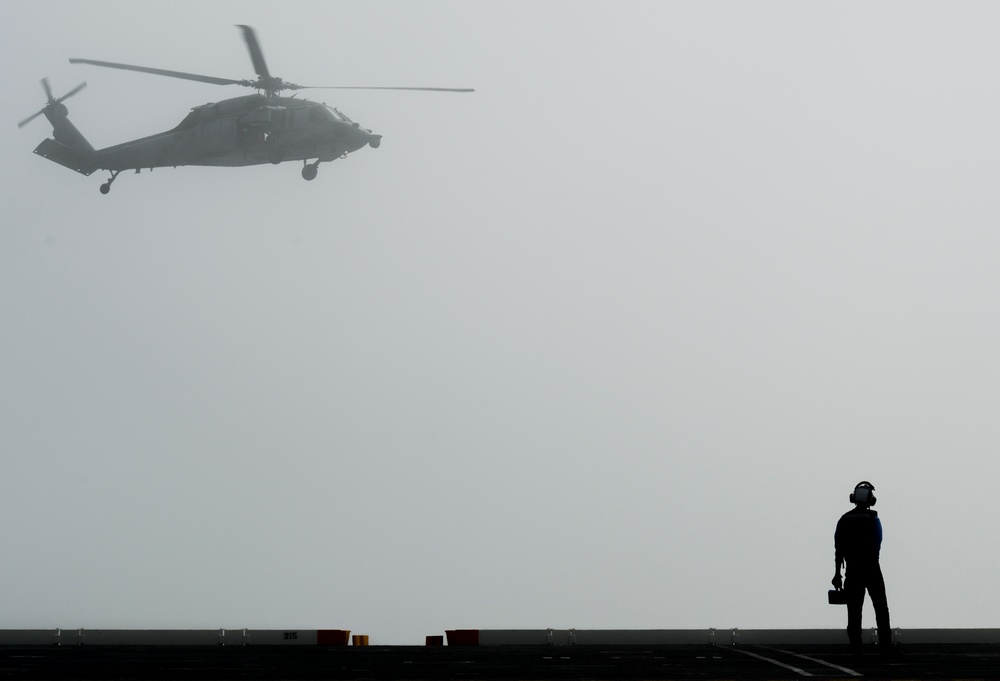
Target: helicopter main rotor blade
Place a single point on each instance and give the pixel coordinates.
(265, 81)
(290, 86)
(160, 72)
(255, 53)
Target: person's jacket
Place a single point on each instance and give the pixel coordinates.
(859, 536)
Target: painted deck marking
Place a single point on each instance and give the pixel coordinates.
(801, 672)
(849, 672)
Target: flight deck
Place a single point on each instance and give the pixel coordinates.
(527, 655)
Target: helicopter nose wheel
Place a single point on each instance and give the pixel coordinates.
(106, 187)
(309, 170)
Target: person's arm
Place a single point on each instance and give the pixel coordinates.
(838, 560)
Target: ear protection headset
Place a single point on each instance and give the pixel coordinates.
(863, 494)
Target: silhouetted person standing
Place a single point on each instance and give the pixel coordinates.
(857, 541)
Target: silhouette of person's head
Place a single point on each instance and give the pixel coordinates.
(864, 494)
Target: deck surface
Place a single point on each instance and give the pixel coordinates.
(516, 663)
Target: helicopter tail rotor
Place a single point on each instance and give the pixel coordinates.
(53, 105)
(67, 146)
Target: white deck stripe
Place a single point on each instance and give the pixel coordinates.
(802, 672)
(847, 671)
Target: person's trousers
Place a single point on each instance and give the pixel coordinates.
(860, 578)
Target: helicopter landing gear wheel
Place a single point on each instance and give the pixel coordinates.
(106, 187)
(309, 171)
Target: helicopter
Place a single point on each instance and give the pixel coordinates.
(250, 130)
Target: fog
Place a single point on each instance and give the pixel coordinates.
(605, 344)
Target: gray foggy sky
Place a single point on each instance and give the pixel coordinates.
(606, 344)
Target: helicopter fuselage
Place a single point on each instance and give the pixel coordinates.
(243, 131)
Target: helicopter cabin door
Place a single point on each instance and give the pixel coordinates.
(219, 136)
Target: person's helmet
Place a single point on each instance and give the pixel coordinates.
(864, 494)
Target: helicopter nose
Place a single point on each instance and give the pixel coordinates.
(352, 137)
(361, 136)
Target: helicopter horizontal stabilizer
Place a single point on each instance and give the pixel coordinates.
(64, 156)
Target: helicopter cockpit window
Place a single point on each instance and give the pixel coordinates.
(320, 114)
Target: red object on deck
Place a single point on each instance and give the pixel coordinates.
(332, 637)
(463, 637)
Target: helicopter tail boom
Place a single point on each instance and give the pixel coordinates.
(65, 156)
(68, 147)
